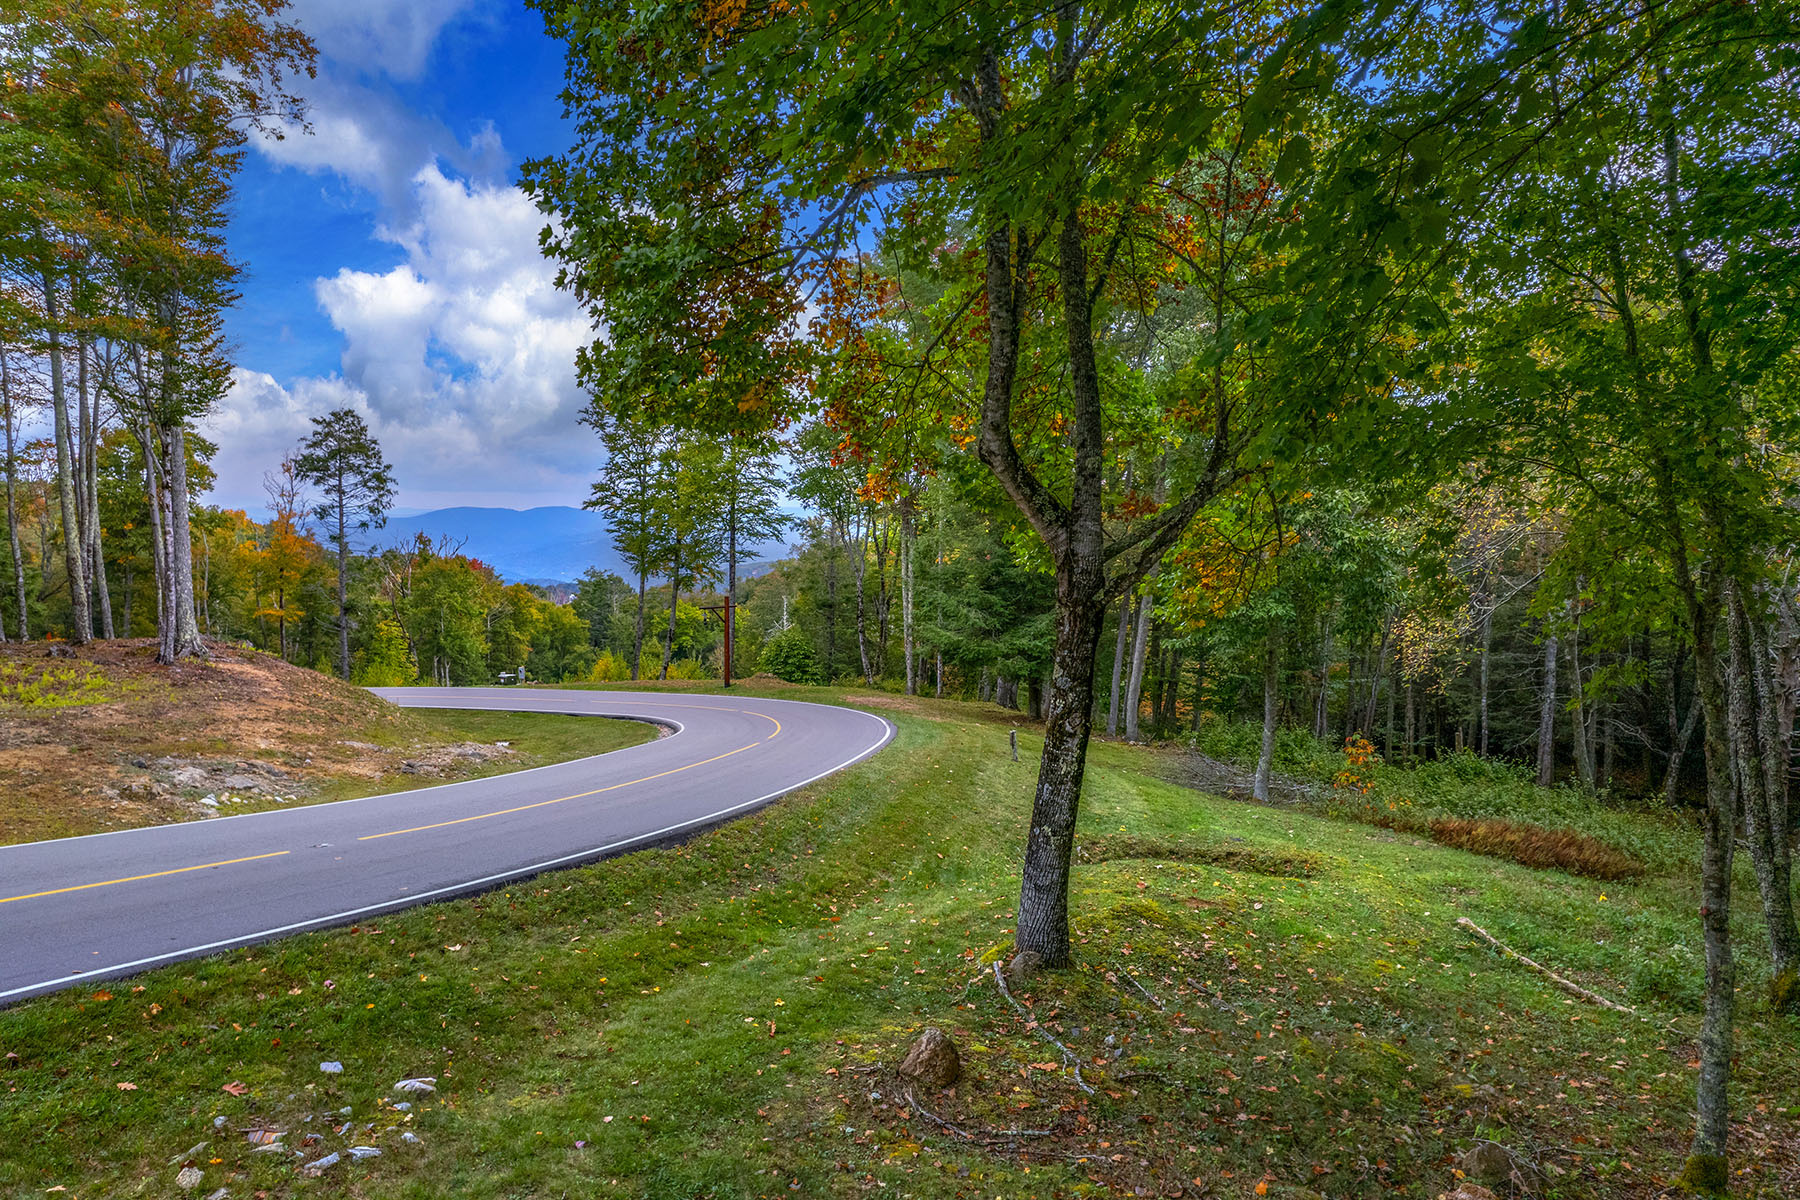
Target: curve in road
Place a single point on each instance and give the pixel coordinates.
(80, 909)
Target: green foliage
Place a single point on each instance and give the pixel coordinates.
(28, 685)
(385, 660)
(790, 655)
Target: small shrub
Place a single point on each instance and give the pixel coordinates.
(609, 668)
(689, 668)
(25, 685)
(1535, 846)
(789, 655)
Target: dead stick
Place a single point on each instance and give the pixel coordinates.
(1569, 986)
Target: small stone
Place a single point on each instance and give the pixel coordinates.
(403, 1106)
(422, 1083)
(1487, 1161)
(220, 1194)
(361, 1152)
(188, 1178)
(1468, 1191)
(332, 1068)
(932, 1059)
(243, 783)
(411, 1138)
(1023, 965)
(321, 1165)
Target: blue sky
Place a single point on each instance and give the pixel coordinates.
(391, 263)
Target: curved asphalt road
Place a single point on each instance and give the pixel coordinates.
(81, 909)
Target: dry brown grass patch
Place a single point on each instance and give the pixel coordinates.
(1537, 846)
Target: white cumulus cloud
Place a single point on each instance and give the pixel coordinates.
(461, 358)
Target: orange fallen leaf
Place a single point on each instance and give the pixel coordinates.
(235, 1088)
(103, 994)
(126, 1087)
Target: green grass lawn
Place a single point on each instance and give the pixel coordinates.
(1265, 999)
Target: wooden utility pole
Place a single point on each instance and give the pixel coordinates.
(727, 612)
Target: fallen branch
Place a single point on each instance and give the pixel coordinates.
(1567, 985)
(1031, 1022)
(1119, 972)
(985, 1135)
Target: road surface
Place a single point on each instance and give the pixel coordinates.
(77, 910)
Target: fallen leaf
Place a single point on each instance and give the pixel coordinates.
(235, 1088)
(126, 1087)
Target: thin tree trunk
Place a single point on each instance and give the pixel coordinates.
(1759, 757)
(343, 582)
(74, 555)
(1707, 1162)
(1118, 670)
(1546, 755)
(12, 511)
(637, 643)
(1134, 691)
(1584, 748)
(862, 570)
(1411, 720)
(1322, 703)
(1487, 648)
(831, 607)
(90, 457)
(674, 599)
(906, 595)
(1271, 682)
(1678, 751)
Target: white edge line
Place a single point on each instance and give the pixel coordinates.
(889, 730)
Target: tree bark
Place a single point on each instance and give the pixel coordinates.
(1546, 755)
(74, 552)
(1759, 759)
(12, 512)
(674, 598)
(637, 644)
(906, 595)
(862, 571)
(1487, 648)
(1707, 1156)
(1322, 702)
(1578, 709)
(181, 637)
(343, 581)
(1134, 691)
(1118, 670)
(1271, 683)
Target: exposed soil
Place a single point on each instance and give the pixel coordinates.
(138, 743)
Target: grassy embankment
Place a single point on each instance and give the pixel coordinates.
(108, 740)
(1269, 1002)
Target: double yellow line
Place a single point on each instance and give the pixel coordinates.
(81, 887)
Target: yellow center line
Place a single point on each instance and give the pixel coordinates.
(560, 799)
(81, 887)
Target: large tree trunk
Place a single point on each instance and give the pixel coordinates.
(1044, 886)
(1118, 670)
(1271, 684)
(180, 637)
(1546, 754)
(12, 511)
(74, 552)
(1134, 690)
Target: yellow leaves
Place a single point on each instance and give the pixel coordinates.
(102, 994)
(126, 1087)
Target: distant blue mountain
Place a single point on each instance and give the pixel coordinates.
(536, 545)
(555, 544)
